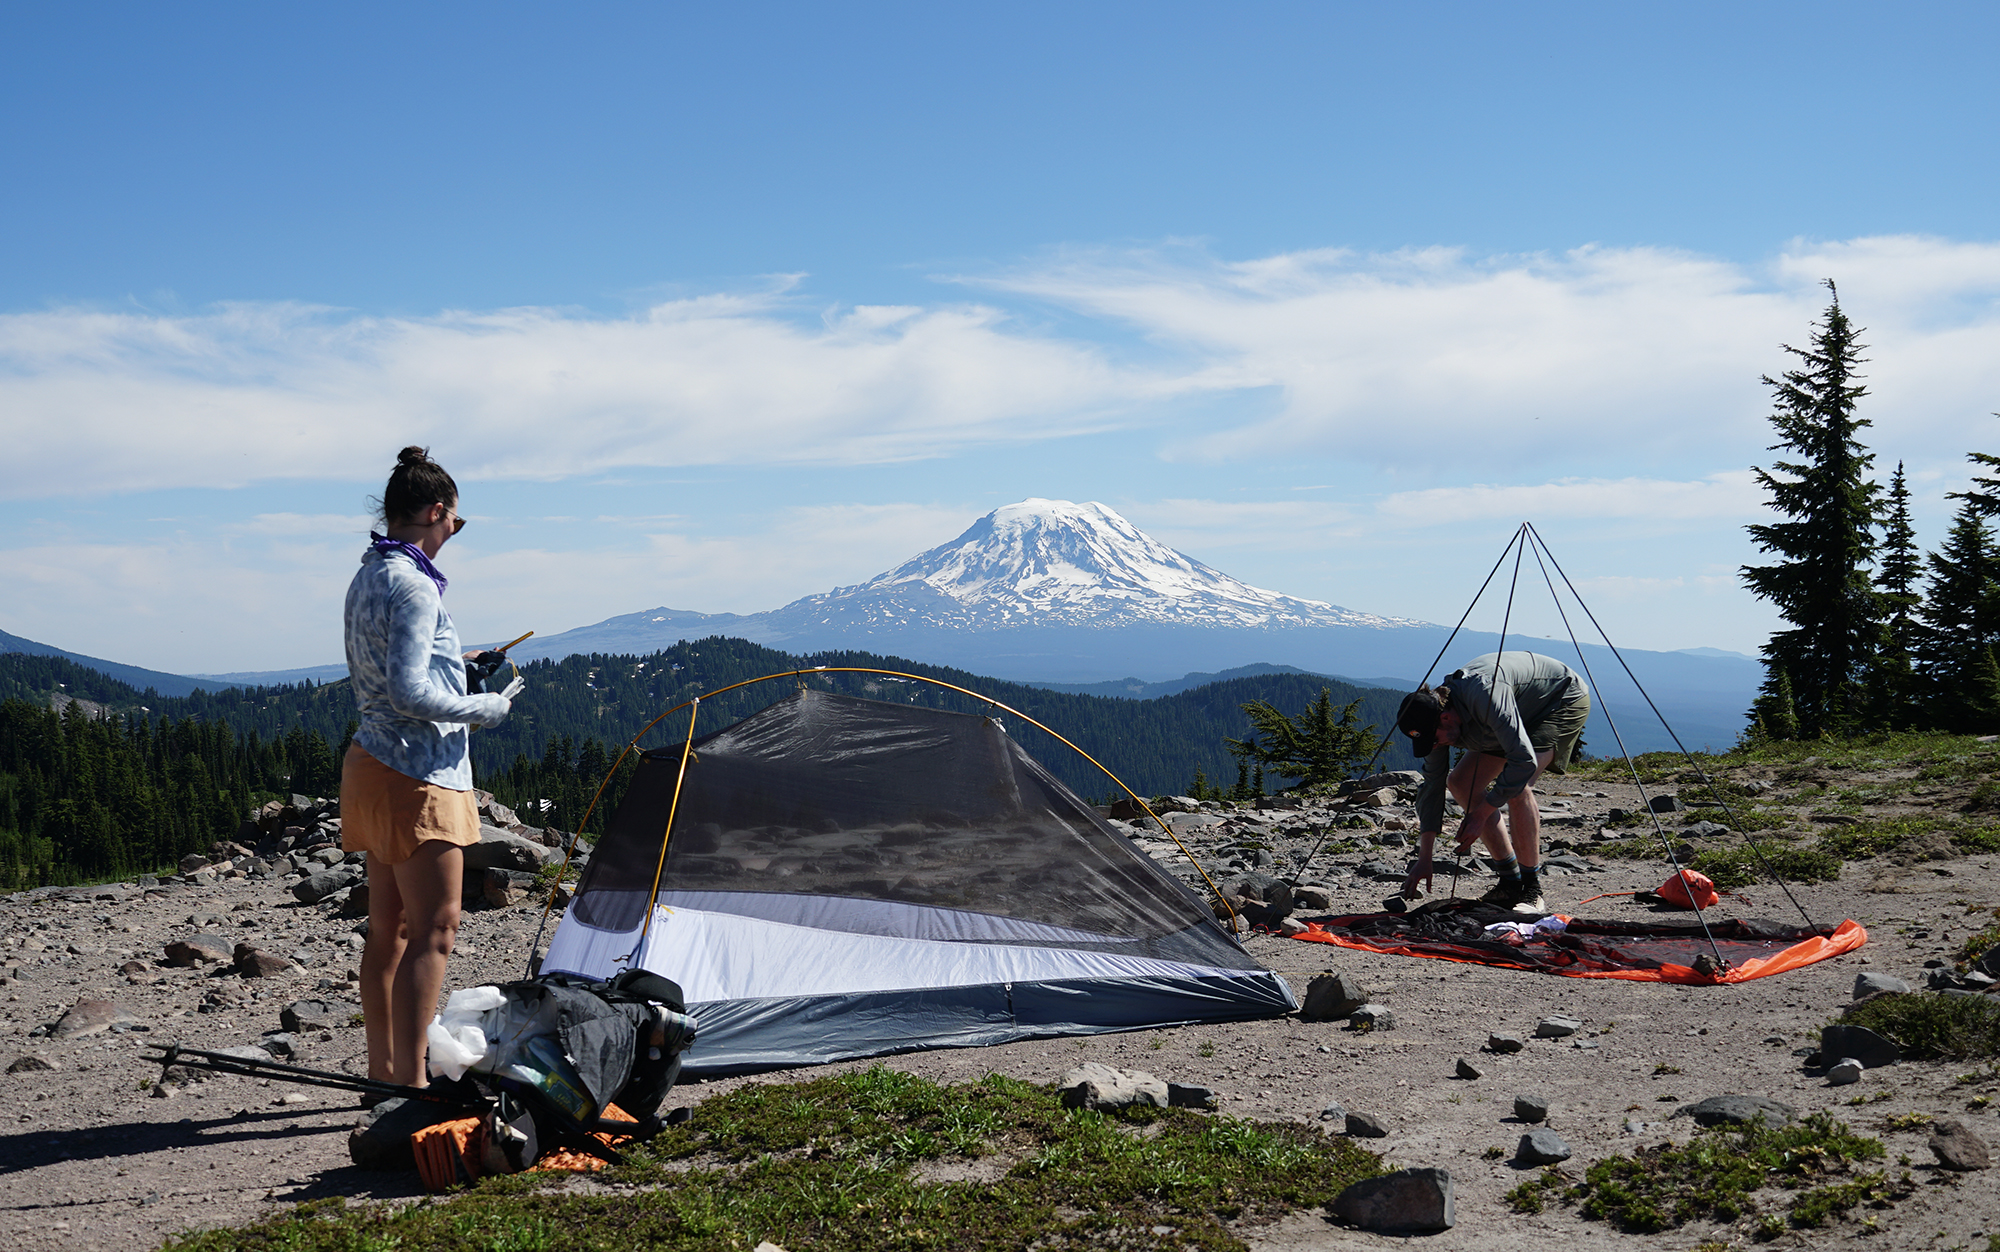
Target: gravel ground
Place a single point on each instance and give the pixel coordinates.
(91, 1159)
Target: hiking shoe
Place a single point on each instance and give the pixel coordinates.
(1504, 894)
(1531, 906)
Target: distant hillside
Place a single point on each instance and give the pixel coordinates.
(140, 680)
(1155, 745)
(1140, 689)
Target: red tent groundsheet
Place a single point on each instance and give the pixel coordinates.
(1642, 951)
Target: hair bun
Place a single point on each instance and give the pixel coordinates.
(413, 455)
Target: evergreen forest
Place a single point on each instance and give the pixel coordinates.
(117, 781)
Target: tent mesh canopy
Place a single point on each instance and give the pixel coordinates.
(847, 877)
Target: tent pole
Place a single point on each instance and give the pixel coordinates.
(666, 836)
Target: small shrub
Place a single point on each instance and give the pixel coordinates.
(1932, 1027)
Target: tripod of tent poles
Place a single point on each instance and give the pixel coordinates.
(1526, 539)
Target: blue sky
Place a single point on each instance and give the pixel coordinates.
(715, 307)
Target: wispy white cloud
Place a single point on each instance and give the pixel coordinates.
(1422, 361)
(1440, 357)
(1719, 498)
(100, 401)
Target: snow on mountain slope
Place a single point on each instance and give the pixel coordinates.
(1055, 563)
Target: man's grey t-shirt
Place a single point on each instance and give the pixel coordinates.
(1496, 704)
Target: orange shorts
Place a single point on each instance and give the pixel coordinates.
(386, 813)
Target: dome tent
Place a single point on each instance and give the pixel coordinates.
(847, 878)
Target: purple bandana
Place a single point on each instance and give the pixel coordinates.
(386, 546)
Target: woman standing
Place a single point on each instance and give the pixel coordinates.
(406, 783)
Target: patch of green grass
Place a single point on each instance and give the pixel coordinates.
(834, 1163)
(1930, 1027)
(1740, 867)
(1717, 1176)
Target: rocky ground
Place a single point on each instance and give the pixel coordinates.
(96, 1153)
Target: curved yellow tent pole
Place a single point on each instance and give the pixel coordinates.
(843, 669)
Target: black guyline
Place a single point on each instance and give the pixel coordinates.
(1702, 773)
(1672, 858)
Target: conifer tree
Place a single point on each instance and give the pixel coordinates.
(1892, 695)
(1772, 715)
(1958, 624)
(1820, 584)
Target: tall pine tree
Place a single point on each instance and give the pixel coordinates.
(1892, 700)
(1820, 583)
(1958, 626)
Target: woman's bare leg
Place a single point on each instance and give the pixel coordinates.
(430, 883)
(379, 959)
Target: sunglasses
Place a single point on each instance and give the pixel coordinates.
(457, 522)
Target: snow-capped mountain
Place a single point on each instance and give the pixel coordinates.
(1046, 563)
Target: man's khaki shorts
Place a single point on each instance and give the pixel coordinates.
(1560, 731)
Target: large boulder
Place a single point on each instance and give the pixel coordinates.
(1331, 997)
(1859, 1042)
(497, 849)
(1408, 1201)
(1260, 899)
(1100, 1087)
(316, 887)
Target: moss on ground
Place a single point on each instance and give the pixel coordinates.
(1722, 1175)
(838, 1163)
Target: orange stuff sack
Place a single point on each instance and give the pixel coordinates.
(1688, 890)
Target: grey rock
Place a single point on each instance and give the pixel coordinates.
(197, 950)
(1844, 1071)
(1666, 804)
(1334, 1112)
(1467, 1070)
(280, 1044)
(1541, 1147)
(503, 887)
(1180, 1097)
(316, 887)
(1557, 1027)
(1261, 898)
(28, 1063)
(304, 1016)
(1311, 897)
(90, 1017)
(497, 849)
(254, 962)
(1504, 1043)
(1859, 1042)
(1957, 1147)
(192, 862)
(1704, 830)
(244, 1054)
(1737, 1110)
(1866, 985)
(1531, 1108)
(1372, 1017)
(1366, 1126)
(1331, 997)
(1099, 1087)
(1408, 1201)
(328, 857)
(1989, 962)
